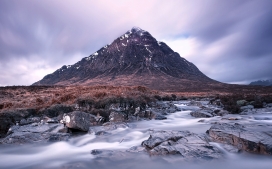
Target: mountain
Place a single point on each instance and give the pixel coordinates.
(262, 83)
(135, 58)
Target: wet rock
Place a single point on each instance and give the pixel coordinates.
(165, 107)
(137, 110)
(234, 118)
(268, 105)
(79, 120)
(252, 138)
(115, 155)
(149, 114)
(104, 130)
(97, 151)
(29, 121)
(136, 149)
(227, 147)
(184, 143)
(51, 120)
(195, 103)
(246, 107)
(63, 130)
(158, 110)
(55, 137)
(262, 118)
(241, 103)
(191, 108)
(161, 105)
(9, 118)
(160, 117)
(218, 112)
(201, 114)
(116, 116)
(38, 133)
(215, 102)
(12, 129)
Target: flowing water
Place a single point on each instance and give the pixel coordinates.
(76, 152)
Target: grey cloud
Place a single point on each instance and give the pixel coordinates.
(55, 33)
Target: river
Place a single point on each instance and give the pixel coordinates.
(76, 152)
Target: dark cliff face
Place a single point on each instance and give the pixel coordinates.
(135, 55)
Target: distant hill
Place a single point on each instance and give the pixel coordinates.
(262, 83)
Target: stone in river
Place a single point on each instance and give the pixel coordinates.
(184, 143)
(79, 120)
(252, 138)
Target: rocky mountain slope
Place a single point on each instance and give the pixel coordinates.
(262, 83)
(135, 58)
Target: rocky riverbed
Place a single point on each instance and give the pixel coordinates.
(194, 133)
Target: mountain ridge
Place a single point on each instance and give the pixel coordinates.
(135, 58)
(261, 83)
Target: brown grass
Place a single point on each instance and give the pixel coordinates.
(44, 96)
(99, 97)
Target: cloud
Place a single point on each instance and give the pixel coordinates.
(223, 38)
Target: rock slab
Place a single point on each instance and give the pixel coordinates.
(184, 143)
(253, 138)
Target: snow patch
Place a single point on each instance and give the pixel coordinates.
(117, 48)
(122, 37)
(124, 44)
(95, 54)
(147, 49)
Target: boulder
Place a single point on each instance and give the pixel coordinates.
(9, 118)
(201, 114)
(191, 108)
(79, 120)
(34, 133)
(117, 116)
(220, 112)
(195, 103)
(268, 105)
(165, 107)
(184, 143)
(248, 107)
(156, 114)
(241, 103)
(253, 138)
(160, 117)
(29, 121)
(215, 102)
(106, 128)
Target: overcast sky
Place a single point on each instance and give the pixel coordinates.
(228, 40)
